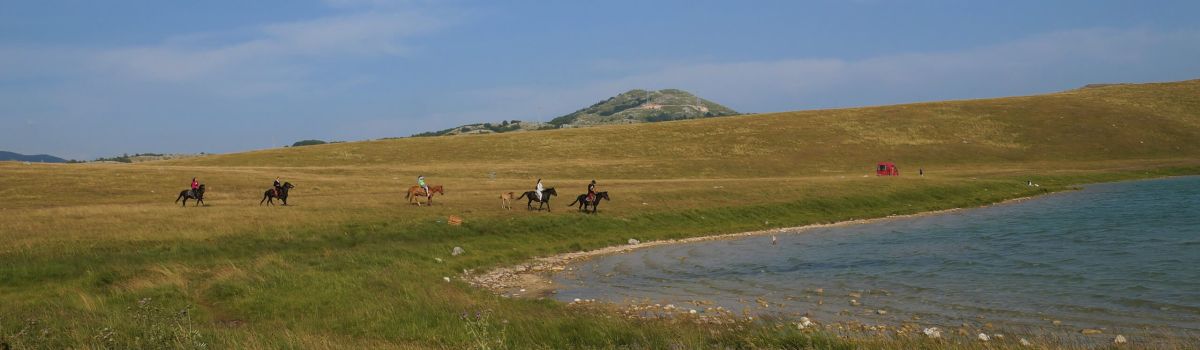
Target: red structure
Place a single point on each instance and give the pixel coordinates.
(887, 169)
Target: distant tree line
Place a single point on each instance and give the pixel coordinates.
(310, 143)
(124, 158)
(503, 126)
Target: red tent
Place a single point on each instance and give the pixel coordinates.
(887, 169)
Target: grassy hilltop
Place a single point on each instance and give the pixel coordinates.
(630, 107)
(97, 256)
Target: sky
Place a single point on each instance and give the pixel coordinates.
(86, 79)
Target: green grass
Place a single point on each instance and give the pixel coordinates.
(351, 265)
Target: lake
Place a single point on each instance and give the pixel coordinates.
(1116, 256)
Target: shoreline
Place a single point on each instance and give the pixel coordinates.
(532, 278)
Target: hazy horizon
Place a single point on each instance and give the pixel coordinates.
(81, 80)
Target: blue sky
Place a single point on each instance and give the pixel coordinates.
(83, 79)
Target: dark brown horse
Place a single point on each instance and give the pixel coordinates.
(545, 200)
(416, 192)
(281, 193)
(198, 195)
(584, 203)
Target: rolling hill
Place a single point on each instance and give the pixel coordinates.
(631, 107)
(39, 158)
(1134, 121)
(641, 106)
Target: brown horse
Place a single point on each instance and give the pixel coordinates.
(506, 200)
(416, 192)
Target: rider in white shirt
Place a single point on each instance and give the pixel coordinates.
(539, 190)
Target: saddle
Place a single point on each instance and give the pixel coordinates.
(591, 196)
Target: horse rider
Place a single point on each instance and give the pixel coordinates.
(195, 186)
(277, 186)
(591, 192)
(538, 190)
(421, 183)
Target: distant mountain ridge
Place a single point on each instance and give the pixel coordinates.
(630, 107)
(37, 158)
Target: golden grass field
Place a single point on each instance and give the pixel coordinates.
(98, 256)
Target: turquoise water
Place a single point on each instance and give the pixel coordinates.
(1120, 256)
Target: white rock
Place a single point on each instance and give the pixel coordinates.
(933, 332)
(447, 279)
(1120, 339)
(692, 311)
(881, 312)
(1025, 342)
(634, 241)
(457, 251)
(438, 259)
(577, 300)
(806, 322)
(983, 337)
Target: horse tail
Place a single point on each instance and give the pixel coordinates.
(523, 195)
(406, 194)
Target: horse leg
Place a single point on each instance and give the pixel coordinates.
(185, 202)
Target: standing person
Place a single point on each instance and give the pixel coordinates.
(591, 192)
(195, 186)
(421, 183)
(538, 189)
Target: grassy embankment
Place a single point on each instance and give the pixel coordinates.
(97, 255)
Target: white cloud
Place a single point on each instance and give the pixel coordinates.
(271, 51)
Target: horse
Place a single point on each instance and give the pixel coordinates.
(270, 195)
(546, 194)
(416, 191)
(198, 195)
(594, 203)
(505, 200)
